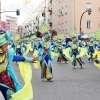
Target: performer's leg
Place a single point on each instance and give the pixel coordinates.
(58, 59)
(74, 63)
(79, 62)
(89, 60)
(4, 91)
(44, 72)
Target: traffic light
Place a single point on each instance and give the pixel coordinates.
(18, 12)
(89, 11)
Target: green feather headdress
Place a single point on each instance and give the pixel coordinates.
(71, 32)
(90, 35)
(60, 36)
(16, 37)
(97, 35)
(43, 28)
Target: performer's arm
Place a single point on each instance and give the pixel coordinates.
(27, 59)
(80, 44)
(66, 45)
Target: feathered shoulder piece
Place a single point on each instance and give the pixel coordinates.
(4, 26)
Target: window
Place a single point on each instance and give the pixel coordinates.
(65, 25)
(66, 10)
(59, 12)
(62, 11)
(89, 24)
(89, 5)
(59, 26)
(62, 26)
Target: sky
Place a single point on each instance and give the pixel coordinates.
(26, 7)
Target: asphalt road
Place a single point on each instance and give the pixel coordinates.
(68, 83)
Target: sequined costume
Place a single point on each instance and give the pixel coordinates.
(45, 57)
(74, 52)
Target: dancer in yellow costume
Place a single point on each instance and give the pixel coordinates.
(60, 46)
(96, 57)
(9, 84)
(45, 55)
(74, 52)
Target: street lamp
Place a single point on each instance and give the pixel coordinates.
(17, 12)
(89, 12)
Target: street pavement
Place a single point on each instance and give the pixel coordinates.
(68, 83)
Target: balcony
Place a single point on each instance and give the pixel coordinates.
(37, 18)
(50, 1)
(50, 21)
(49, 9)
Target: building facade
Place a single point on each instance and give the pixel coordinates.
(19, 30)
(12, 21)
(66, 14)
(62, 15)
(31, 24)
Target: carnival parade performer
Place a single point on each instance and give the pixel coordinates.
(14, 46)
(90, 49)
(74, 52)
(96, 57)
(45, 55)
(33, 42)
(60, 46)
(9, 84)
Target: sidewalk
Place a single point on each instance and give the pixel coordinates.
(1, 97)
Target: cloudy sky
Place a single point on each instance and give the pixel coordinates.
(26, 7)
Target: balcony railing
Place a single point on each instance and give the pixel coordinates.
(50, 1)
(49, 9)
(50, 21)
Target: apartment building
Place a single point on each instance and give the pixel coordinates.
(19, 30)
(12, 21)
(66, 14)
(62, 15)
(31, 24)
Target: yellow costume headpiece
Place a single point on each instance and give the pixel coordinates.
(97, 35)
(60, 36)
(16, 37)
(44, 30)
(71, 32)
(90, 34)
